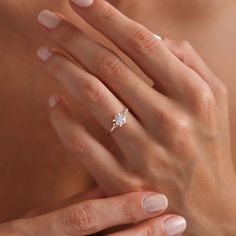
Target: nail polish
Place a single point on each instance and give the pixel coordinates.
(155, 203)
(175, 225)
(82, 3)
(48, 19)
(44, 53)
(53, 101)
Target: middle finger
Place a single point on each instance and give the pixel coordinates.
(107, 66)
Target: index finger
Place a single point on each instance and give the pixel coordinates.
(96, 215)
(135, 40)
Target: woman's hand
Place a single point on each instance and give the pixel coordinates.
(92, 216)
(177, 138)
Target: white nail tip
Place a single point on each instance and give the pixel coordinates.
(157, 37)
(48, 19)
(53, 101)
(44, 54)
(83, 3)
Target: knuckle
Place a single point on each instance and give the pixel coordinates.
(129, 182)
(76, 144)
(161, 116)
(207, 99)
(109, 66)
(219, 88)
(68, 34)
(142, 41)
(183, 139)
(150, 230)
(182, 126)
(129, 210)
(178, 124)
(78, 220)
(105, 15)
(55, 64)
(182, 49)
(95, 93)
(185, 45)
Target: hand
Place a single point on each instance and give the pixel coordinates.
(91, 216)
(177, 139)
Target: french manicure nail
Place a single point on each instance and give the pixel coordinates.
(48, 19)
(44, 53)
(82, 3)
(53, 101)
(155, 203)
(157, 37)
(175, 225)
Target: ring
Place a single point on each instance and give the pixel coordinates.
(119, 120)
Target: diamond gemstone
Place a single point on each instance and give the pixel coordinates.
(120, 119)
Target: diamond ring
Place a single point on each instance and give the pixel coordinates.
(119, 119)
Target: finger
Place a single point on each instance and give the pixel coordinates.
(107, 66)
(166, 225)
(95, 215)
(186, 53)
(97, 98)
(204, 96)
(80, 197)
(137, 42)
(88, 195)
(98, 161)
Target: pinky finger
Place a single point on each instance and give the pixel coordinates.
(184, 51)
(166, 225)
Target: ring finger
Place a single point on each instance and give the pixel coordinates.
(94, 95)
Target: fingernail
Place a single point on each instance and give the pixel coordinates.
(48, 19)
(82, 3)
(53, 101)
(157, 37)
(175, 225)
(155, 203)
(44, 53)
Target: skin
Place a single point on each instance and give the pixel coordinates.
(83, 214)
(188, 147)
(208, 55)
